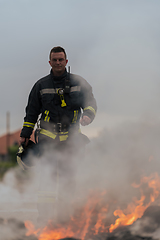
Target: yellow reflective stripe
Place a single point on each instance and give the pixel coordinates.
(48, 133)
(91, 109)
(63, 137)
(63, 133)
(28, 124)
(74, 120)
(46, 117)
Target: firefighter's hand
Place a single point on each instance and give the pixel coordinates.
(23, 141)
(85, 120)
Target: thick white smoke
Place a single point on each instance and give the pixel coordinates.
(112, 163)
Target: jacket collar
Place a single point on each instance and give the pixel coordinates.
(59, 78)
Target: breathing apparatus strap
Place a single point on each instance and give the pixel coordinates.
(67, 82)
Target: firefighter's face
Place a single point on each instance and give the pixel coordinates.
(58, 63)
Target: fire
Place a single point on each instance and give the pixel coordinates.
(135, 210)
(91, 219)
(135, 213)
(46, 233)
(78, 227)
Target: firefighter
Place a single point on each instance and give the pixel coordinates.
(59, 97)
(62, 101)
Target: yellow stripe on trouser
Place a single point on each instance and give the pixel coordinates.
(62, 135)
(48, 133)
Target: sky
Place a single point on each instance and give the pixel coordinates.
(113, 44)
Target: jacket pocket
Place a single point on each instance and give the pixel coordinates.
(75, 99)
(47, 101)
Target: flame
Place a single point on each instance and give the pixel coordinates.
(46, 233)
(135, 210)
(128, 219)
(91, 219)
(81, 223)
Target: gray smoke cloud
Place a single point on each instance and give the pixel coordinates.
(110, 174)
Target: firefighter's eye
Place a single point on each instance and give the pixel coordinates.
(59, 59)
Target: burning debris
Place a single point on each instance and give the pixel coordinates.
(146, 228)
(117, 192)
(93, 221)
(126, 235)
(148, 224)
(13, 229)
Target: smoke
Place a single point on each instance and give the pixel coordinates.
(12, 229)
(109, 172)
(120, 157)
(147, 227)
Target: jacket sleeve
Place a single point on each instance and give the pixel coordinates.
(33, 110)
(89, 102)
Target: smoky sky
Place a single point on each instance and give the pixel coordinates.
(114, 45)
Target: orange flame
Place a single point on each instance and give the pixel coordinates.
(128, 219)
(46, 233)
(82, 224)
(137, 209)
(93, 215)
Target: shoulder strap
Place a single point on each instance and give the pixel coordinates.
(67, 82)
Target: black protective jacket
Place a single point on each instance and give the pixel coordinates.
(67, 108)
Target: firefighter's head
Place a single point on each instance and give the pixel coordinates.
(58, 60)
